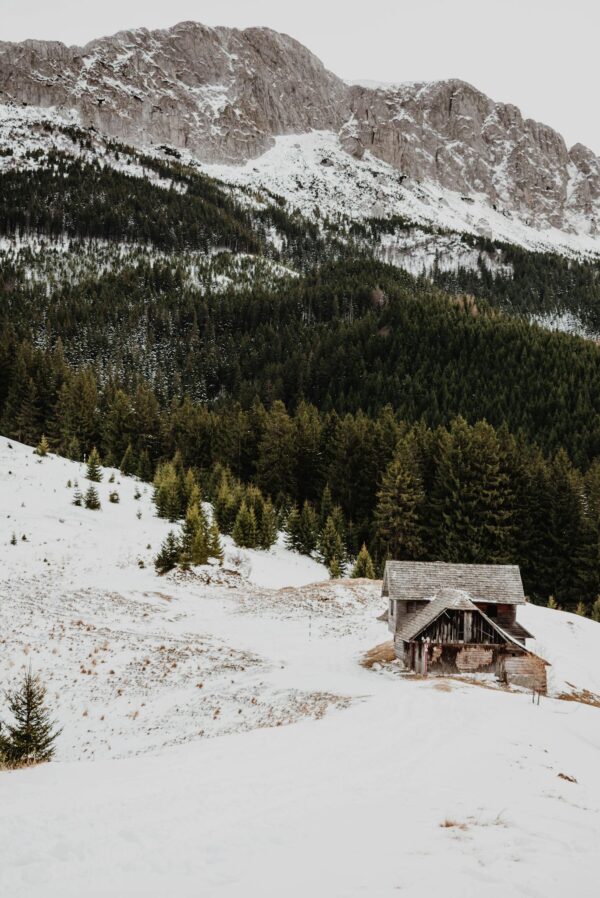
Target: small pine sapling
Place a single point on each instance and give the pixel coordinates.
(42, 447)
(335, 569)
(92, 499)
(94, 472)
(244, 530)
(113, 497)
(215, 549)
(30, 739)
(363, 566)
(13, 539)
(169, 554)
(78, 497)
(267, 533)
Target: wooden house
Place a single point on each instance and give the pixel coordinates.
(460, 618)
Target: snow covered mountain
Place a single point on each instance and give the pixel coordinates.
(229, 96)
(314, 757)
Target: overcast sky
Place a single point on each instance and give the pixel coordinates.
(542, 55)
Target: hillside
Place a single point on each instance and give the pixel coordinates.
(142, 670)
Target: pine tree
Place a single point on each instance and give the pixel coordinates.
(42, 448)
(581, 609)
(144, 466)
(113, 497)
(292, 529)
(595, 615)
(73, 449)
(94, 472)
(308, 529)
(226, 507)
(302, 529)
(31, 738)
(78, 497)
(363, 566)
(168, 494)
(128, 463)
(215, 549)
(326, 507)
(92, 499)
(267, 533)
(195, 536)
(470, 510)
(275, 463)
(335, 569)
(331, 546)
(552, 603)
(398, 515)
(169, 554)
(244, 530)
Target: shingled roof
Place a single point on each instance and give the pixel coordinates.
(422, 580)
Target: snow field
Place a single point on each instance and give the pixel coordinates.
(383, 785)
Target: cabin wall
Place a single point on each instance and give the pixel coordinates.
(513, 667)
(525, 670)
(399, 611)
(464, 658)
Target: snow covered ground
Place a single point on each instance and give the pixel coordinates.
(380, 785)
(312, 171)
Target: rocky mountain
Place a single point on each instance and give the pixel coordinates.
(225, 95)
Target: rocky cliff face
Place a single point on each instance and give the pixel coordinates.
(226, 94)
(221, 93)
(449, 133)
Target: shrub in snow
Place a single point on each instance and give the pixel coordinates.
(113, 497)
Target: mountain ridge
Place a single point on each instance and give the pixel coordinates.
(227, 94)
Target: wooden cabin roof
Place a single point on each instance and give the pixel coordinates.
(423, 580)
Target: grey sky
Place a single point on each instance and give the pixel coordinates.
(541, 55)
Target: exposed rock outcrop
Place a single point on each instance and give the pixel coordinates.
(225, 94)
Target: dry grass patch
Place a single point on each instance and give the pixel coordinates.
(380, 654)
(453, 824)
(583, 696)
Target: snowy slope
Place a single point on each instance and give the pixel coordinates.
(381, 785)
(312, 171)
